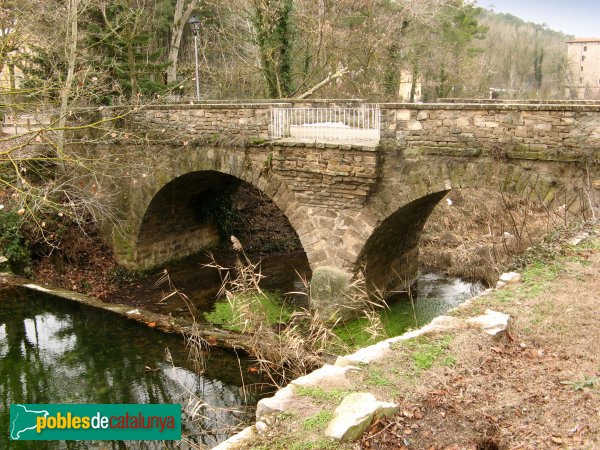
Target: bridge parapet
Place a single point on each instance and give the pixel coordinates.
(550, 132)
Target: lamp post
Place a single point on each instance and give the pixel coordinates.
(195, 25)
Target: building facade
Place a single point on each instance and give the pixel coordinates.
(584, 67)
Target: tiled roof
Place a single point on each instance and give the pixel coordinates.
(573, 41)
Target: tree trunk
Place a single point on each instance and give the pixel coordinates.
(179, 20)
(132, 70)
(73, 34)
(413, 84)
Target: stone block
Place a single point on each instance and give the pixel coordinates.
(280, 402)
(403, 114)
(414, 125)
(328, 375)
(463, 122)
(542, 127)
(479, 121)
(423, 115)
(354, 415)
(492, 322)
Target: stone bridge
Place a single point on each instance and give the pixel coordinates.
(350, 204)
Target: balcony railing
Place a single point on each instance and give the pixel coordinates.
(327, 124)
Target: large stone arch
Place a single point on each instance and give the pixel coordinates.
(193, 171)
(399, 209)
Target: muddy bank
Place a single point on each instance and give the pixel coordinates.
(162, 322)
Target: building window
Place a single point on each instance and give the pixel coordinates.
(585, 48)
(580, 80)
(582, 68)
(583, 58)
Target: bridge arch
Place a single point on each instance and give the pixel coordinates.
(400, 209)
(166, 207)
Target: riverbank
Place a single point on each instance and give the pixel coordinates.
(536, 387)
(167, 323)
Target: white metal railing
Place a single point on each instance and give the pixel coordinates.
(327, 124)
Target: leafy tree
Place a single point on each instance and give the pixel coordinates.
(274, 34)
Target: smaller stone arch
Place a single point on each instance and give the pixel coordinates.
(403, 204)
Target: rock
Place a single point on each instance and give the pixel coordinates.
(422, 115)
(403, 114)
(510, 277)
(280, 402)
(235, 440)
(577, 239)
(414, 125)
(500, 285)
(260, 426)
(327, 375)
(4, 264)
(329, 294)
(355, 414)
(438, 325)
(364, 355)
(492, 322)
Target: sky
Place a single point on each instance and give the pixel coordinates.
(580, 18)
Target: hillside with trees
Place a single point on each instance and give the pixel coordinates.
(523, 59)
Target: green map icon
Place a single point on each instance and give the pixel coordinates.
(23, 419)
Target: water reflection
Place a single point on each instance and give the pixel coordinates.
(52, 351)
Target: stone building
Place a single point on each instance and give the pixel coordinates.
(406, 84)
(584, 66)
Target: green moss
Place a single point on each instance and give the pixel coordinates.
(321, 395)
(396, 320)
(426, 351)
(318, 421)
(229, 314)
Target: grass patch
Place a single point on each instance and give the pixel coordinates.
(318, 421)
(377, 377)
(321, 395)
(396, 320)
(229, 314)
(425, 352)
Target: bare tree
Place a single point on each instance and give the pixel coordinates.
(180, 18)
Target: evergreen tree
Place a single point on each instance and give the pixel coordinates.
(119, 35)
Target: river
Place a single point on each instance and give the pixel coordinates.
(55, 351)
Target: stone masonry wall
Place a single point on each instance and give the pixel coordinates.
(237, 122)
(520, 131)
(326, 174)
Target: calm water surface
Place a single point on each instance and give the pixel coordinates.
(55, 351)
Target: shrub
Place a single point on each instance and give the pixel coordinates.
(12, 241)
